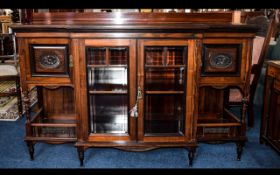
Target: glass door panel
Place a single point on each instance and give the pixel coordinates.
(118, 55)
(162, 71)
(109, 113)
(164, 114)
(165, 55)
(175, 55)
(154, 55)
(164, 89)
(107, 79)
(96, 56)
(165, 79)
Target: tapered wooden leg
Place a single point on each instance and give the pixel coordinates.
(240, 146)
(81, 155)
(261, 140)
(191, 155)
(30, 145)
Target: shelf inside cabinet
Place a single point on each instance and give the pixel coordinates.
(106, 66)
(107, 92)
(164, 92)
(164, 66)
(107, 79)
(165, 79)
(54, 127)
(110, 123)
(52, 120)
(162, 125)
(218, 120)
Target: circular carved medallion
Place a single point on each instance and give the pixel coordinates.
(49, 61)
(221, 61)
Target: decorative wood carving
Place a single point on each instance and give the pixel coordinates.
(49, 60)
(221, 59)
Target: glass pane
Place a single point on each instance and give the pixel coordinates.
(109, 113)
(154, 55)
(164, 79)
(165, 55)
(107, 79)
(96, 56)
(118, 56)
(176, 55)
(164, 113)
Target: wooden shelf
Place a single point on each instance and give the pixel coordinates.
(62, 139)
(218, 120)
(7, 56)
(107, 92)
(107, 66)
(165, 66)
(164, 92)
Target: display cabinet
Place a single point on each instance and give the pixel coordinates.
(270, 119)
(125, 80)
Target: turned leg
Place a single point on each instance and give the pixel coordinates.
(191, 155)
(262, 141)
(81, 154)
(240, 146)
(19, 100)
(30, 145)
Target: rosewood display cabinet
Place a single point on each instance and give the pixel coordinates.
(128, 81)
(270, 120)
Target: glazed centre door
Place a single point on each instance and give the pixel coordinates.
(111, 82)
(139, 95)
(163, 71)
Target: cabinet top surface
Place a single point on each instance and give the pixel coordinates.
(274, 63)
(183, 22)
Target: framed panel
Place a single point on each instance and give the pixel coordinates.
(49, 60)
(221, 59)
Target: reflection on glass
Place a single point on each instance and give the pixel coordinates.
(107, 76)
(175, 55)
(164, 114)
(164, 79)
(165, 55)
(154, 55)
(118, 56)
(109, 113)
(107, 79)
(96, 56)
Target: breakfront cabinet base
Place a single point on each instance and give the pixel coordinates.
(137, 86)
(81, 147)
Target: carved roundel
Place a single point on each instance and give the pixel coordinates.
(221, 61)
(49, 61)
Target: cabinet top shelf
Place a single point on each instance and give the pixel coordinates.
(68, 21)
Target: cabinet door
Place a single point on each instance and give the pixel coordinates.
(224, 61)
(163, 73)
(47, 60)
(111, 77)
